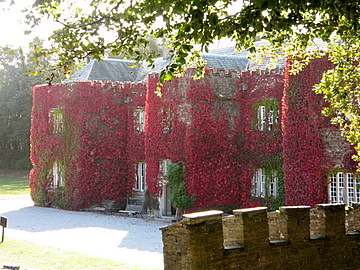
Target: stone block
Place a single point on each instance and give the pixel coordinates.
(334, 219)
(297, 219)
(253, 225)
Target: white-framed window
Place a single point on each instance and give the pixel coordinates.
(271, 121)
(265, 184)
(57, 174)
(261, 117)
(139, 119)
(344, 187)
(56, 119)
(273, 185)
(140, 176)
(267, 117)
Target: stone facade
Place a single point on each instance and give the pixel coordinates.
(325, 237)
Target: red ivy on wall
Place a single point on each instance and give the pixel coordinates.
(305, 161)
(209, 125)
(98, 144)
(211, 134)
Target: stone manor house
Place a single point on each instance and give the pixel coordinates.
(246, 136)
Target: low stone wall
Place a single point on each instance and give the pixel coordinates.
(295, 237)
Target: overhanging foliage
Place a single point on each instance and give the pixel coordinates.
(190, 26)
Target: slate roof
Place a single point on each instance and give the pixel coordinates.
(107, 70)
(119, 70)
(225, 58)
(234, 62)
(229, 51)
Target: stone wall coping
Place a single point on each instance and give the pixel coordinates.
(254, 209)
(203, 214)
(330, 205)
(234, 247)
(298, 239)
(296, 207)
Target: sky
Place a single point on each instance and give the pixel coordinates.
(11, 28)
(12, 25)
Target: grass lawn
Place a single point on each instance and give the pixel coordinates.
(14, 183)
(32, 256)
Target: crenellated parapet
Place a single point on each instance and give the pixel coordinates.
(295, 237)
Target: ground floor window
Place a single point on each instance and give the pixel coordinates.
(344, 187)
(57, 174)
(265, 183)
(140, 176)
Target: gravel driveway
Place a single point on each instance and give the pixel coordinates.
(125, 239)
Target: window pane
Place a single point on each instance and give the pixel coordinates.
(57, 174)
(140, 169)
(257, 183)
(357, 190)
(261, 117)
(263, 183)
(333, 188)
(254, 184)
(271, 119)
(166, 120)
(351, 188)
(340, 187)
(163, 167)
(139, 119)
(273, 185)
(143, 176)
(56, 118)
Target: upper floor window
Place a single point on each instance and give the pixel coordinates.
(265, 183)
(344, 188)
(267, 115)
(261, 117)
(56, 118)
(139, 119)
(166, 121)
(140, 176)
(163, 167)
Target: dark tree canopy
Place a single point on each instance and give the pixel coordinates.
(15, 105)
(190, 26)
